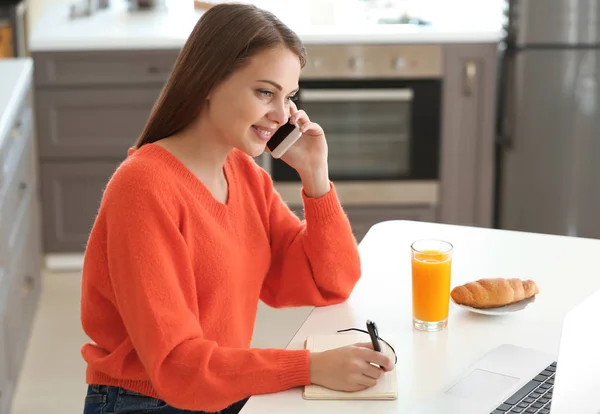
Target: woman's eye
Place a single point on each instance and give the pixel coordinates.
(265, 93)
(293, 98)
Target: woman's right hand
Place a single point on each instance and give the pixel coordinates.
(348, 368)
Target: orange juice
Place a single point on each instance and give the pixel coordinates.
(431, 271)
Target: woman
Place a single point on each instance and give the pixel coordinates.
(190, 235)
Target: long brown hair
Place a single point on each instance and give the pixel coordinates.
(224, 39)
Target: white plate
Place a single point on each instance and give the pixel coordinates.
(501, 310)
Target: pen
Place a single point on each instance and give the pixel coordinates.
(372, 329)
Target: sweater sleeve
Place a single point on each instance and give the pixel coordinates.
(149, 274)
(314, 262)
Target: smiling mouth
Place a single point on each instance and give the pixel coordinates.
(263, 133)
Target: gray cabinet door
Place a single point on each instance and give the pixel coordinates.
(72, 193)
(30, 275)
(468, 135)
(103, 67)
(91, 122)
(19, 190)
(23, 293)
(19, 297)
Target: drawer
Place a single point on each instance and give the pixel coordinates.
(13, 312)
(103, 67)
(91, 122)
(17, 193)
(23, 292)
(12, 144)
(71, 195)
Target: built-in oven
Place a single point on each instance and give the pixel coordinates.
(380, 108)
(375, 129)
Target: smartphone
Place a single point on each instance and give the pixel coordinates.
(283, 139)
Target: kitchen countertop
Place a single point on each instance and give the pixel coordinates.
(14, 75)
(316, 22)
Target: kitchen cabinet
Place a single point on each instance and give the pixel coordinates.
(23, 293)
(91, 123)
(103, 67)
(469, 108)
(92, 105)
(20, 234)
(19, 305)
(72, 192)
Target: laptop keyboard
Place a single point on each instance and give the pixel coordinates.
(534, 398)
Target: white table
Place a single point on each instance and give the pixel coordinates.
(563, 267)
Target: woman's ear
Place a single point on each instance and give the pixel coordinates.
(202, 108)
(209, 94)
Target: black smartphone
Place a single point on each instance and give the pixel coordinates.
(283, 139)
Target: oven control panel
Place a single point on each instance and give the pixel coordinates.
(373, 61)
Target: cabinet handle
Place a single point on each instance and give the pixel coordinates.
(154, 70)
(509, 105)
(470, 77)
(16, 131)
(355, 64)
(28, 285)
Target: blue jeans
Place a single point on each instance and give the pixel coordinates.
(102, 399)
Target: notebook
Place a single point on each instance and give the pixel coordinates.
(386, 388)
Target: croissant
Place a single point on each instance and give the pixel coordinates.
(490, 293)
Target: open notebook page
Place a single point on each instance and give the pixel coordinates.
(386, 388)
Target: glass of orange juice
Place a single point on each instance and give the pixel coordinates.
(431, 270)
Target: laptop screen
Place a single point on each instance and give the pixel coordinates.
(577, 382)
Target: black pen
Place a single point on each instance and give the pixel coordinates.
(372, 329)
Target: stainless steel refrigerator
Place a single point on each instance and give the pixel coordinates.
(548, 155)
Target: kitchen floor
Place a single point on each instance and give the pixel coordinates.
(53, 377)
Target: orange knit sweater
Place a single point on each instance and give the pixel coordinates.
(172, 280)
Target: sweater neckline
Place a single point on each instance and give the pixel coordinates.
(193, 182)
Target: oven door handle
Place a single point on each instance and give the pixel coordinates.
(351, 95)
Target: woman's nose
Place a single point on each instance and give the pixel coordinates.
(279, 114)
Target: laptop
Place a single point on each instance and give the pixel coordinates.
(511, 379)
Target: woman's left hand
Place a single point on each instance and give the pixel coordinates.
(309, 153)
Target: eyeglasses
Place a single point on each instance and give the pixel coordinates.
(378, 337)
